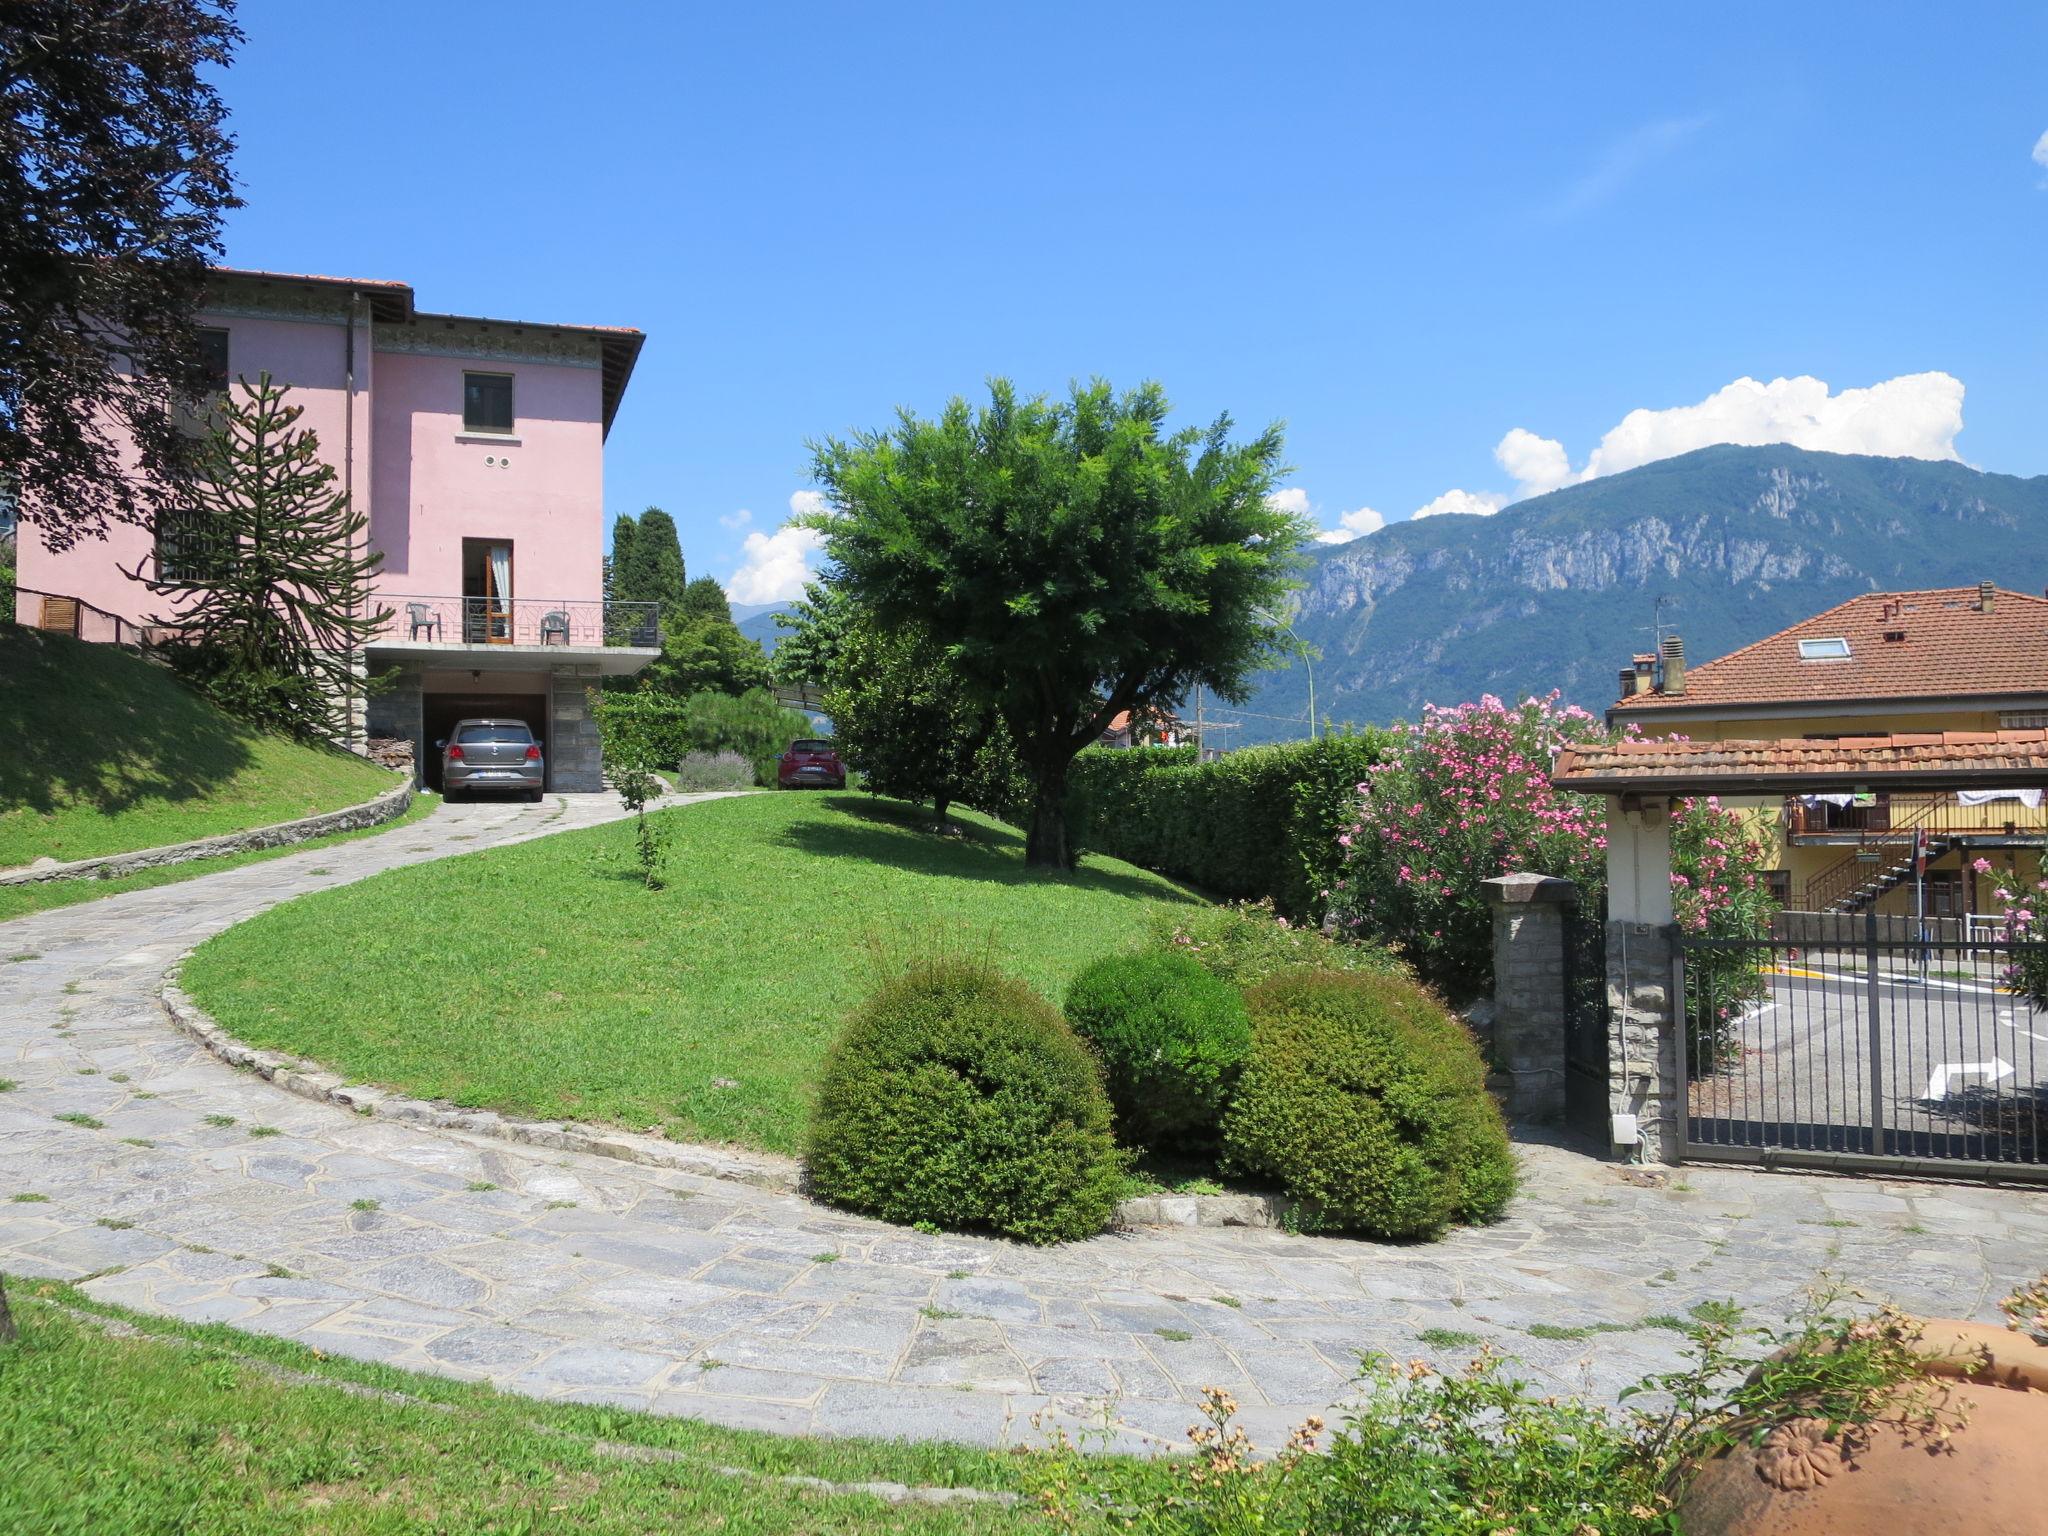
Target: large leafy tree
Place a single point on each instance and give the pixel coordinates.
(647, 563)
(113, 181)
(704, 598)
(705, 656)
(267, 566)
(1072, 558)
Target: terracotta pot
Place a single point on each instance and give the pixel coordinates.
(1986, 1479)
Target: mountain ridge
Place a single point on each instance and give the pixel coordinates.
(1558, 590)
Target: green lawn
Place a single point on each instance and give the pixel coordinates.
(173, 1428)
(106, 753)
(545, 980)
(20, 900)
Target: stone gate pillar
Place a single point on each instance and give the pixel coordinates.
(1643, 1027)
(1529, 917)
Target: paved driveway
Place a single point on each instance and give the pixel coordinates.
(576, 1276)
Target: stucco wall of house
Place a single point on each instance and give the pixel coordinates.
(307, 354)
(541, 487)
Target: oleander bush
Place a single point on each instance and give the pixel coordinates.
(1366, 1102)
(1172, 1039)
(701, 771)
(958, 1097)
(1246, 942)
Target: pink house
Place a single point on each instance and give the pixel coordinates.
(477, 447)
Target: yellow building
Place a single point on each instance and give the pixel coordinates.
(1955, 661)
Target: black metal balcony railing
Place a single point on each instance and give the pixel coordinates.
(519, 621)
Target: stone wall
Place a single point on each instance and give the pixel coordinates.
(1642, 1034)
(575, 757)
(395, 713)
(1529, 916)
(386, 807)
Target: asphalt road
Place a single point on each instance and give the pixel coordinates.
(1957, 1067)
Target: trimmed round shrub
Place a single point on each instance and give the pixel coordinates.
(1172, 1039)
(959, 1097)
(1366, 1102)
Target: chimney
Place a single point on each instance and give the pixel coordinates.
(1986, 596)
(1674, 665)
(1645, 680)
(1628, 683)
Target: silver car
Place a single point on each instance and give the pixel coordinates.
(492, 754)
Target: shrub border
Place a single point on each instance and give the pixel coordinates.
(760, 1169)
(388, 806)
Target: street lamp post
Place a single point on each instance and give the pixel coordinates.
(1305, 652)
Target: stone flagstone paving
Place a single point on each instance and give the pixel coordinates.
(578, 1277)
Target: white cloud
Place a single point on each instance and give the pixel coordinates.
(1352, 525)
(803, 503)
(1294, 499)
(1538, 464)
(774, 566)
(1455, 503)
(1915, 416)
(2041, 156)
(738, 519)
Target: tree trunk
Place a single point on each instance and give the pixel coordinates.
(1045, 845)
(7, 1332)
(940, 805)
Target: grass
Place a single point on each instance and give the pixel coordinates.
(545, 980)
(20, 900)
(177, 1427)
(1448, 1338)
(108, 753)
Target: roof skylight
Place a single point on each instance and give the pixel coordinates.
(1832, 649)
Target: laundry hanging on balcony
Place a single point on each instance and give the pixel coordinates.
(2030, 798)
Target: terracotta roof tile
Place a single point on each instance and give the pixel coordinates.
(1955, 757)
(1950, 647)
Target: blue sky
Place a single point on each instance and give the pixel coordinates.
(1407, 235)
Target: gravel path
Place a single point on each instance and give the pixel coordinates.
(575, 1276)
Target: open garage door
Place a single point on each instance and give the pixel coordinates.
(440, 711)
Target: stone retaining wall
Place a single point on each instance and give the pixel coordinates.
(388, 806)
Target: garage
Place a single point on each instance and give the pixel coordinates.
(440, 711)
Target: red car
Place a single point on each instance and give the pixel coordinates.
(812, 765)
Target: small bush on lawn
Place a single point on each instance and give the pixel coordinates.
(959, 1097)
(1246, 943)
(701, 771)
(1172, 1039)
(1366, 1101)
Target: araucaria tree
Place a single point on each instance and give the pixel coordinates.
(113, 180)
(268, 569)
(1070, 558)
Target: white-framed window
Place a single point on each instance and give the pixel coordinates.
(1833, 648)
(2023, 719)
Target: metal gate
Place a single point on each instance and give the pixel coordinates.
(1585, 1018)
(1849, 1044)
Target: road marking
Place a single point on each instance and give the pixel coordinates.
(2005, 1017)
(1996, 1069)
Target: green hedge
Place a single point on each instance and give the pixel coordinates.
(1366, 1101)
(1257, 824)
(1172, 1039)
(658, 730)
(959, 1098)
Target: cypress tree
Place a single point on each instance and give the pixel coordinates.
(651, 570)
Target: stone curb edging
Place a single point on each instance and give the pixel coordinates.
(388, 806)
(760, 1169)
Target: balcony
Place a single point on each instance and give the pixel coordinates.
(1898, 818)
(518, 632)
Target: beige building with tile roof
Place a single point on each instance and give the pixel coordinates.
(1954, 670)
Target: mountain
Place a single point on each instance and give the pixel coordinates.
(757, 622)
(1557, 591)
